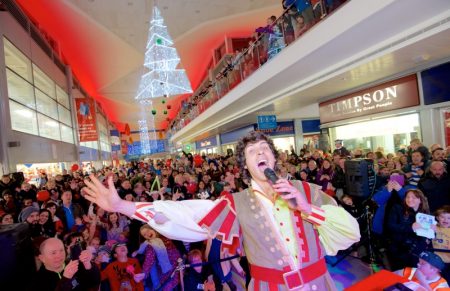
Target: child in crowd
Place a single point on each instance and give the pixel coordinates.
(442, 240)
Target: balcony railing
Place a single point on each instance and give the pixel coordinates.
(266, 43)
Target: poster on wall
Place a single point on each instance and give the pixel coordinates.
(86, 119)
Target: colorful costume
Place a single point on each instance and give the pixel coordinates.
(285, 248)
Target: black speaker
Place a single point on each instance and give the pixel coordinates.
(359, 177)
(17, 259)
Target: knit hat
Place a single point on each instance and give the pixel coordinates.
(433, 260)
(26, 212)
(105, 249)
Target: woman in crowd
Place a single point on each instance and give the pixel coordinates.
(59, 227)
(6, 218)
(405, 243)
(116, 226)
(325, 175)
(46, 222)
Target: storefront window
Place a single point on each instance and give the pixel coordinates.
(37, 104)
(387, 134)
(46, 105)
(20, 90)
(17, 61)
(43, 82)
(62, 97)
(284, 143)
(22, 118)
(48, 127)
(66, 134)
(64, 115)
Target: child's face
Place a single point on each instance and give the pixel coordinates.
(444, 220)
(347, 201)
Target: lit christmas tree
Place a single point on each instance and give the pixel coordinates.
(161, 59)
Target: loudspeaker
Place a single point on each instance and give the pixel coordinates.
(359, 177)
(17, 259)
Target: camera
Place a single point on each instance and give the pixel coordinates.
(76, 249)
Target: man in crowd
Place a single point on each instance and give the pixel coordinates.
(6, 183)
(415, 170)
(439, 154)
(436, 186)
(340, 149)
(30, 215)
(290, 257)
(54, 274)
(68, 211)
(427, 274)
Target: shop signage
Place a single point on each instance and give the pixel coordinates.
(209, 142)
(86, 119)
(282, 128)
(267, 122)
(396, 94)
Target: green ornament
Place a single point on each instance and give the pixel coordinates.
(163, 101)
(159, 41)
(165, 111)
(154, 111)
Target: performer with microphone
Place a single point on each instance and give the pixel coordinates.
(286, 227)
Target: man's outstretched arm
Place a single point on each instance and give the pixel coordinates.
(107, 198)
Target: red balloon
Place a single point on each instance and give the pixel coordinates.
(43, 196)
(198, 161)
(75, 167)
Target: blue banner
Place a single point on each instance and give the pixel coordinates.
(435, 85)
(311, 126)
(267, 122)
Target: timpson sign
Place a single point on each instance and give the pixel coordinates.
(397, 94)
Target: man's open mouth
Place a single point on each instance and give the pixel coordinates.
(263, 164)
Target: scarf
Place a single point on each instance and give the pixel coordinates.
(162, 255)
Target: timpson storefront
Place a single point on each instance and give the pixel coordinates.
(385, 116)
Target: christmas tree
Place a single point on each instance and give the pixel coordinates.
(163, 79)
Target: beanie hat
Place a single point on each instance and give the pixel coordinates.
(26, 212)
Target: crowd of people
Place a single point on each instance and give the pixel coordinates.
(79, 244)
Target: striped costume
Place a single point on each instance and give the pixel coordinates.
(284, 247)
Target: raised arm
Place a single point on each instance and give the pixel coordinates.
(173, 219)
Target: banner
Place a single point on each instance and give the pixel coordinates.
(115, 140)
(87, 125)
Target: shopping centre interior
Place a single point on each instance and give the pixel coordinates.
(74, 97)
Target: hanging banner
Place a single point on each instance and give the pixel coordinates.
(115, 140)
(87, 126)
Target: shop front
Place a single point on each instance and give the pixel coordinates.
(436, 96)
(230, 139)
(207, 146)
(385, 117)
(283, 135)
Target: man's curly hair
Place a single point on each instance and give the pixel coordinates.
(251, 137)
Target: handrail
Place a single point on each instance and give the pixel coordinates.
(268, 43)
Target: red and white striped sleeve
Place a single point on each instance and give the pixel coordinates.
(317, 216)
(145, 211)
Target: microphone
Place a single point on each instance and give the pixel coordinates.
(272, 177)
